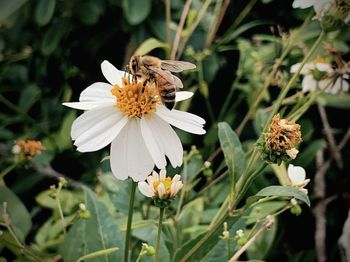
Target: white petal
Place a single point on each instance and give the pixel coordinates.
(162, 174)
(161, 190)
(111, 73)
(129, 155)
(305, 70)
(308, 84)
(87, 105)
(154, 148)
(176, 178)
(183, 120)
(168, 140)
(97, 128)
(183, 95)
(97, 92)
(296, 174)
(302, 3)
(155, 176)
(323, 67)
(145, 189)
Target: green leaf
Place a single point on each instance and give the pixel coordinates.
(87, 12)
(284, 191)
(99, 232)
(232, 148)
(307, 155)
(7, 8)
(28, 97)
(149, 45)
(68, 200)
(20, 218)
(63, 138)
(44, 11)
(52, 37)
(341, 101)
(197, 248)
(136, 11)
(262, 245)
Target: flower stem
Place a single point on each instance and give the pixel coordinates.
(128, 226)
(293, 79)
(161, 214)
(7, 170)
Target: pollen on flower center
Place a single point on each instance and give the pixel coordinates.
(135, 99)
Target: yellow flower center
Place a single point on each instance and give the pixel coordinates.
(136, 99)
(166, 183)
(320, 60)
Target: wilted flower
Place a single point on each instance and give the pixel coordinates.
(281, 139)
(27, 149)
(297, 177)
(319, 74)
(160, 186)
(129, 115)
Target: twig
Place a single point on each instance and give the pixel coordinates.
(180, 28)
(270, 220)
(285, 101)
(47, 170)
(332, 144)
(217, 23)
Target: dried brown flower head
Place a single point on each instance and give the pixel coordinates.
(283, 135)
(27, 148)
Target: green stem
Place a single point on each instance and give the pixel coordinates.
(128, 226)
(228, 248)
(161, 214)
(7, 170)
(293, 79)
(244, 13)
(58, 202)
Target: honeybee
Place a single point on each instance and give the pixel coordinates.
(150, 68)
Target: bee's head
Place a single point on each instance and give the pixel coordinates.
(134, 64)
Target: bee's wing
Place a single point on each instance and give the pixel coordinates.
(177, 82)
(176, 66)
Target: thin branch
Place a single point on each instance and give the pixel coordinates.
(332, 144)
(180, 28)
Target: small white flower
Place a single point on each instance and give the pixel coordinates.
(135, 123)
(323, 7)
(297, 177)
(160, 186)
(309, 83)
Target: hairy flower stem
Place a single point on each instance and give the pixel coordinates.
(161, 214)
(128, 226)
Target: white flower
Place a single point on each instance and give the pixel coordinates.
(321, 7)
(297, 177)
(130, 116)
(327, 80)
(160, 186)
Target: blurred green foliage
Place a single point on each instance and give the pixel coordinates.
(51, 50)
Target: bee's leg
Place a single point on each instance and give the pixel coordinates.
(145, 82)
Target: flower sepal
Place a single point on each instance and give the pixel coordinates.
(163, 203)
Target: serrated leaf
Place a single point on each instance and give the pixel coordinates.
(284, 191)
(233, 152)
(99, 232)
(20, 218)
(150, 44)
(136, 11)
(44, 11)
